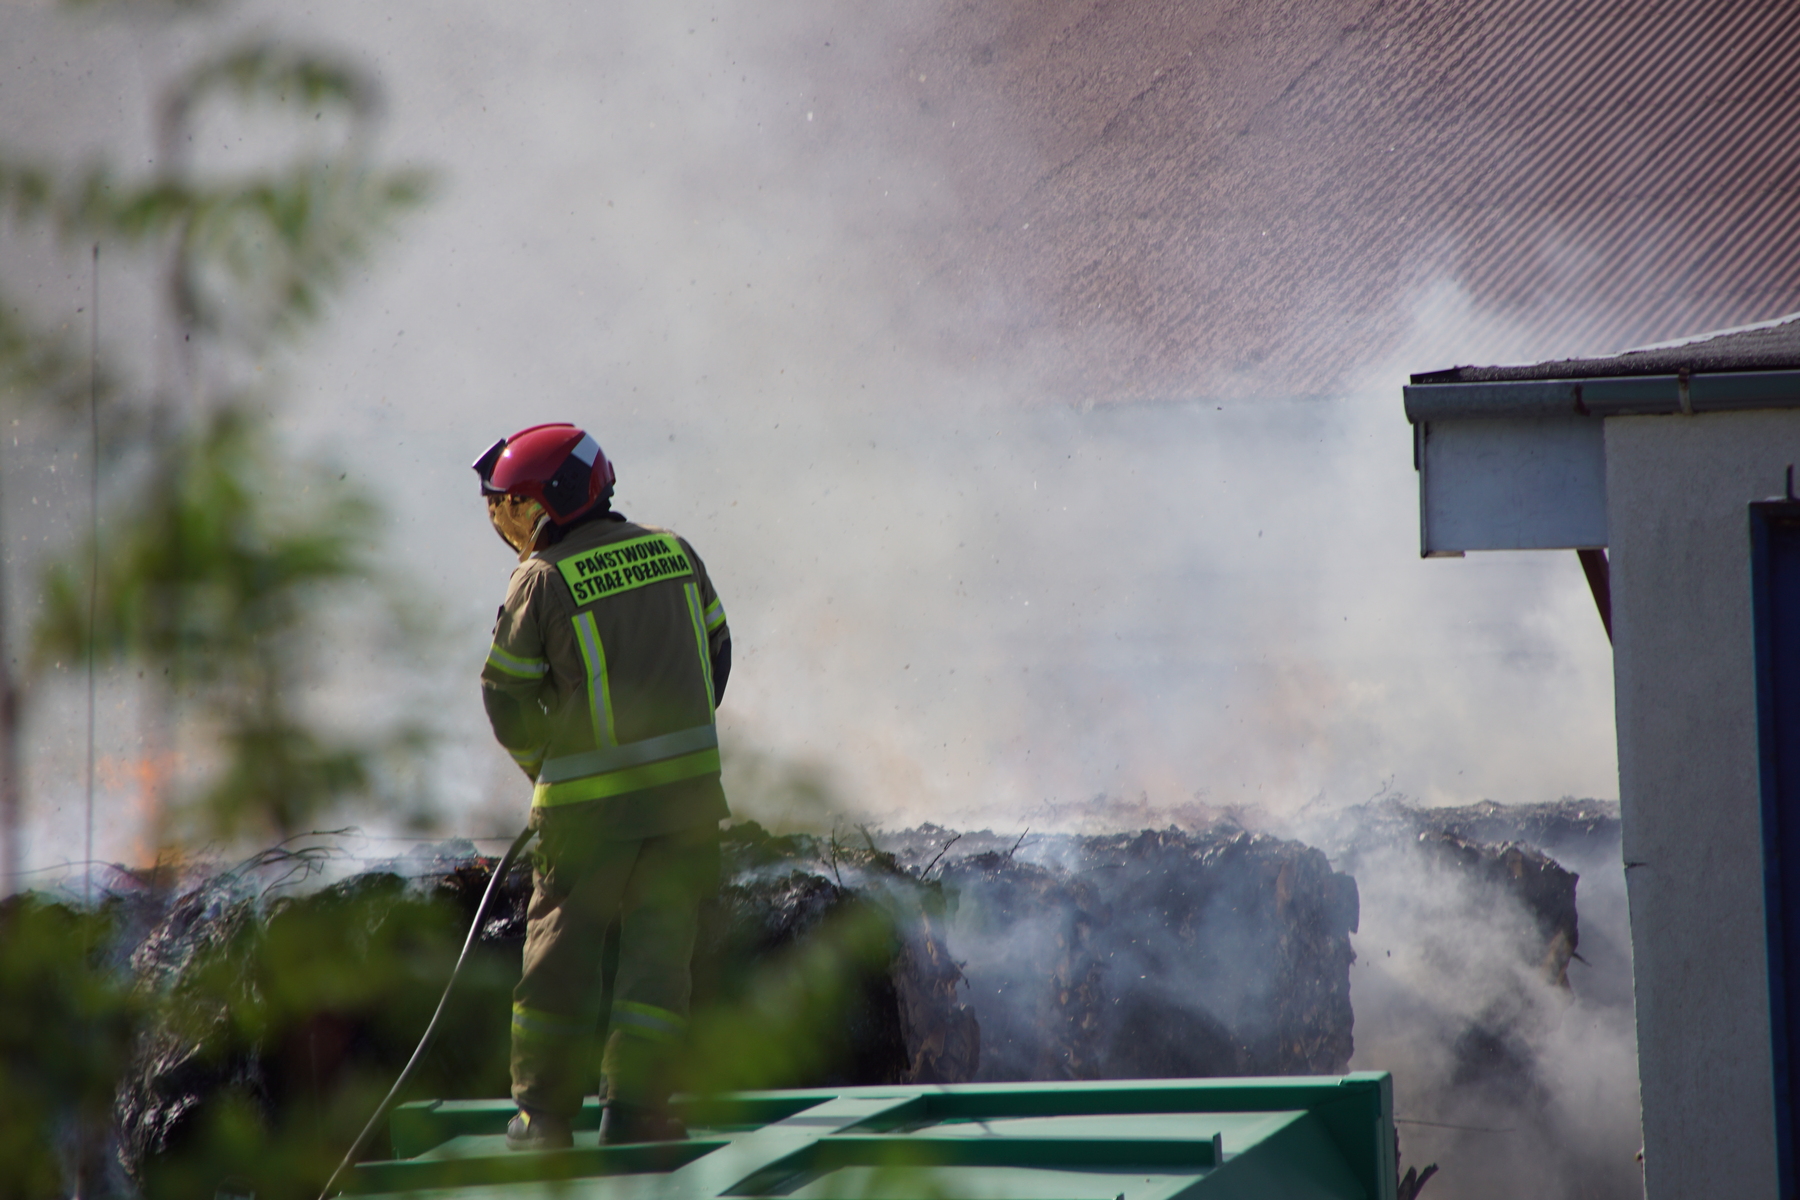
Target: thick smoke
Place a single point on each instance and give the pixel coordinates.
(1513, 1084)
(964, 587)
(956, 583)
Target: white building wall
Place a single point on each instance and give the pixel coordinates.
(1678, 535)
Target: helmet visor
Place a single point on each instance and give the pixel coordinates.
(484, 466)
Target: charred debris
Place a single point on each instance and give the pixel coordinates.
(1160, 953)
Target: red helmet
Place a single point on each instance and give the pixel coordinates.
(559, 466)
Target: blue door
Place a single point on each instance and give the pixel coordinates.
(1775, 580)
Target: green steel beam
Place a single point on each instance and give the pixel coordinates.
(1208, 1139)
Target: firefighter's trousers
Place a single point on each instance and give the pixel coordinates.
(584, 882)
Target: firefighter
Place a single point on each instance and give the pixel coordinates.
(609, 658)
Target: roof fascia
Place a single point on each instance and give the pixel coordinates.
(1629, 395)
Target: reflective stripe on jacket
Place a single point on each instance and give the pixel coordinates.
(600, 680)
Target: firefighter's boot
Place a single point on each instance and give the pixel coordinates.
(530, 1130)
(621, 1123)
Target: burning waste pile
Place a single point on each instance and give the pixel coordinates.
(1505, 1016)
(267, 1020)
(263, 1021)
(270, 1020)
(1153, 954)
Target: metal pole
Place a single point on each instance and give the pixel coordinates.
(87, 857)
(11, 770)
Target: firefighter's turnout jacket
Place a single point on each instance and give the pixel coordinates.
(609, 657)
(608, 660)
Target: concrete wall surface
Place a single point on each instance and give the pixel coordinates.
(1678, 533)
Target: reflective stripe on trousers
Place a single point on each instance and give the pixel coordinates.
(647, 1021)
(539, 1026)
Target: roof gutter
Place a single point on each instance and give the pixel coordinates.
(1639, 395)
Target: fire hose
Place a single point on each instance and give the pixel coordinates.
(381, 1110)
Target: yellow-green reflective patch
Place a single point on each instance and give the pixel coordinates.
(621, 566)
(512, 664)
(631, 779)
(647, 1021)
(535, 1023)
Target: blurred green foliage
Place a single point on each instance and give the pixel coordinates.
(66, 1024)
(213, 583)
(785, 1018)
(797, 967)
(283, 1025)
(219, 550)
(238, 1030)
(249, 1040)
(44, 367)
(278, 1027)
(251, 256)
(221, 557)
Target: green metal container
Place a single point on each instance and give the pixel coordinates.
(1294, 1138)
